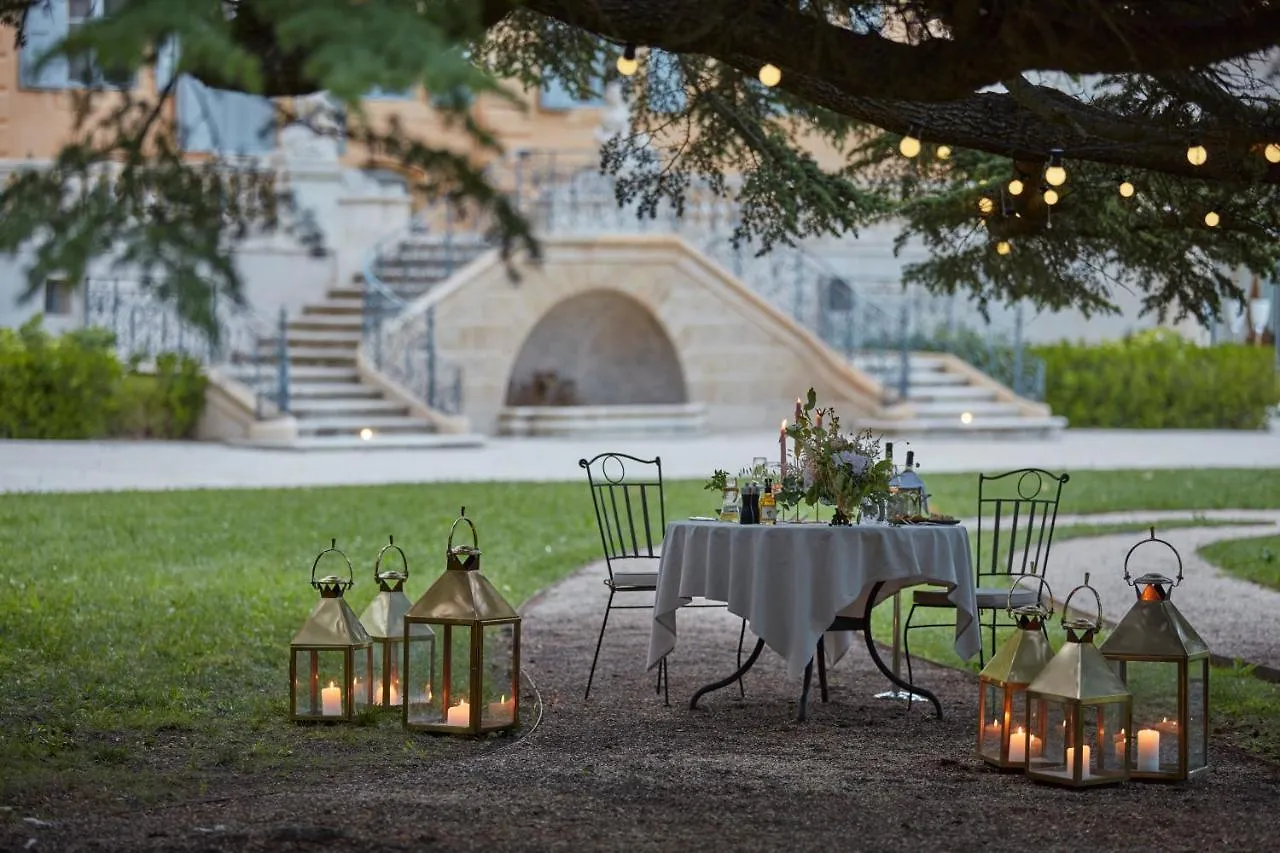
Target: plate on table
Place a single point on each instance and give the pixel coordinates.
(942, 520)
(702, 518)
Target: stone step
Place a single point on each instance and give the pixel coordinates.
(603, 421)
(326, 375)
(313, 390)
(971, 393)
(987, 427)
(323, 337)
(355, 407)
(956, 408)
(378, 441)
(344, 322)
(314, 356)
(353, 425)
(344, 293)
(334, 306)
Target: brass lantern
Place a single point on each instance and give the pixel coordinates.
(1165, 665)
(478, 650)
(1007, 724)
(1086, 710)
(910, 498)
(384, 620)
(331, 656)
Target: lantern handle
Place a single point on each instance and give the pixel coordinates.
(475, 537)
(390, 546)
(1043, 586)
(1129, 580)
(1066, 605)
(333, 549)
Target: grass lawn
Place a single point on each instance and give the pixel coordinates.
(149, 632)
(1256, 560)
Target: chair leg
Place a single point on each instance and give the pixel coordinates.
(742, 636)
(664, 682)
(822, 669)
(599, 640)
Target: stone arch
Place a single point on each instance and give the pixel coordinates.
(598, 348)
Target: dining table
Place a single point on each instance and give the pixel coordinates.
(805, 589)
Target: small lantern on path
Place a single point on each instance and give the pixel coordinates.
(1165, 665)
(1086, 710)
(477, 642)
(331, 656)
(384, 620)
(1008, 726)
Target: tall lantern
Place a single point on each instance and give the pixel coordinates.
(478, 650)
(1086, 710)
(331, 656)
(384, 620)
(1165, 664)
(1015, 725)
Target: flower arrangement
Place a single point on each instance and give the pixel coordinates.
(832, 467)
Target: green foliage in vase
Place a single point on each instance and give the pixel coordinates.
(718, 482)
(841, 469)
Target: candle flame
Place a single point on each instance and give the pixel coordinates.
(784, 424)
(331, 684)
(1020, 730)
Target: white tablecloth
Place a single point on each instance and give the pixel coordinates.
(789, 581)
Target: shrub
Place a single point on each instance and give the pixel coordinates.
(73, 386)
(1159, 380)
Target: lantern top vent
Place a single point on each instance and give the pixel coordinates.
(1079, 671)
(462, 595)
(332, 623)
(1153, 628)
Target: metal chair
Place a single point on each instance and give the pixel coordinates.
(631, 513)
(1017, 512)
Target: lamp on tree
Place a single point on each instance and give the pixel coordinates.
(478, 646)
(1197, 154)
(1165, 665)
(627, 64)
(1056, 174)
(1086, 710)
(1015, 728)
(331, 656)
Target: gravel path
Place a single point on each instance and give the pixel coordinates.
(622, 772)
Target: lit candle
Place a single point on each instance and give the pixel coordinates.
(331, 701)
(460, 714)
(394, 695)
(426, 694)
(782, 448)
(1084, 760)
(502, 708)
(799, 410)
(1122, 743)
(1148, 751)
(1018, 746)
(1167, 725)
(992, 730)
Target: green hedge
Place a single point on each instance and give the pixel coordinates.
(1159, 380)
(73, 386)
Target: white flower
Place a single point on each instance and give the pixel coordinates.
(856, 462)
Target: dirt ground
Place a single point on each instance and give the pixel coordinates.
(623, 772)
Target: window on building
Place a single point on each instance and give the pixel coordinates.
(85, 70)
(48, 23)
(58, 294)
(557, 96)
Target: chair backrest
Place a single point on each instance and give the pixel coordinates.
(631, 511)
(1017, 512)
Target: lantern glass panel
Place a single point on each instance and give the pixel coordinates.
(322, 682)
(992, 720)
(429, 664)
(499, 684)
(1157, 738)
(1197, 732)
(388, 686)
(1094, 728)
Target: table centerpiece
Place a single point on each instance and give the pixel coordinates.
(832, 467)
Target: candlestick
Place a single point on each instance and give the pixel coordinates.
(460, 714)
(1148, 751)
(1084, 761)
(331, 701)
(799, 410)
(782, 448)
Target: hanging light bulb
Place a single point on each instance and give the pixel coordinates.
(943, 152)
(1197, 155)
(1016, 186)
(1272, 153)
(909, 146)
(1126, 189)
(627, 64)
(1050, 197)
(1003, 247)
(1055, 175)
(986, 206)
(770, 74)
(1212, 219)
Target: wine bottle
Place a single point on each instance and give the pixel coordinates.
(768, 505)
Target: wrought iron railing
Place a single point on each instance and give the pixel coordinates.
(565, 193)
(145, 326)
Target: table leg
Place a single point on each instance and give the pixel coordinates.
(901, 695)
(804, 691)
(725, 682)
(911, 690)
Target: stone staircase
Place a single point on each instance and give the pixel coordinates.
(423, 259)
(333, 407)
(949, 403)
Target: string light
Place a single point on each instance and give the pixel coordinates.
(1272, 153)
(1055, 175)
(627, 64)
(986, 206)
(909, 146)
(1212, 219)
(1050, 196)
(770, 74)
(1016, 186)
(1003, 247)
(1126, 189)
(1197, 155)
(943, 152)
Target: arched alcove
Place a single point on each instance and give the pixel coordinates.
(599, 348)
